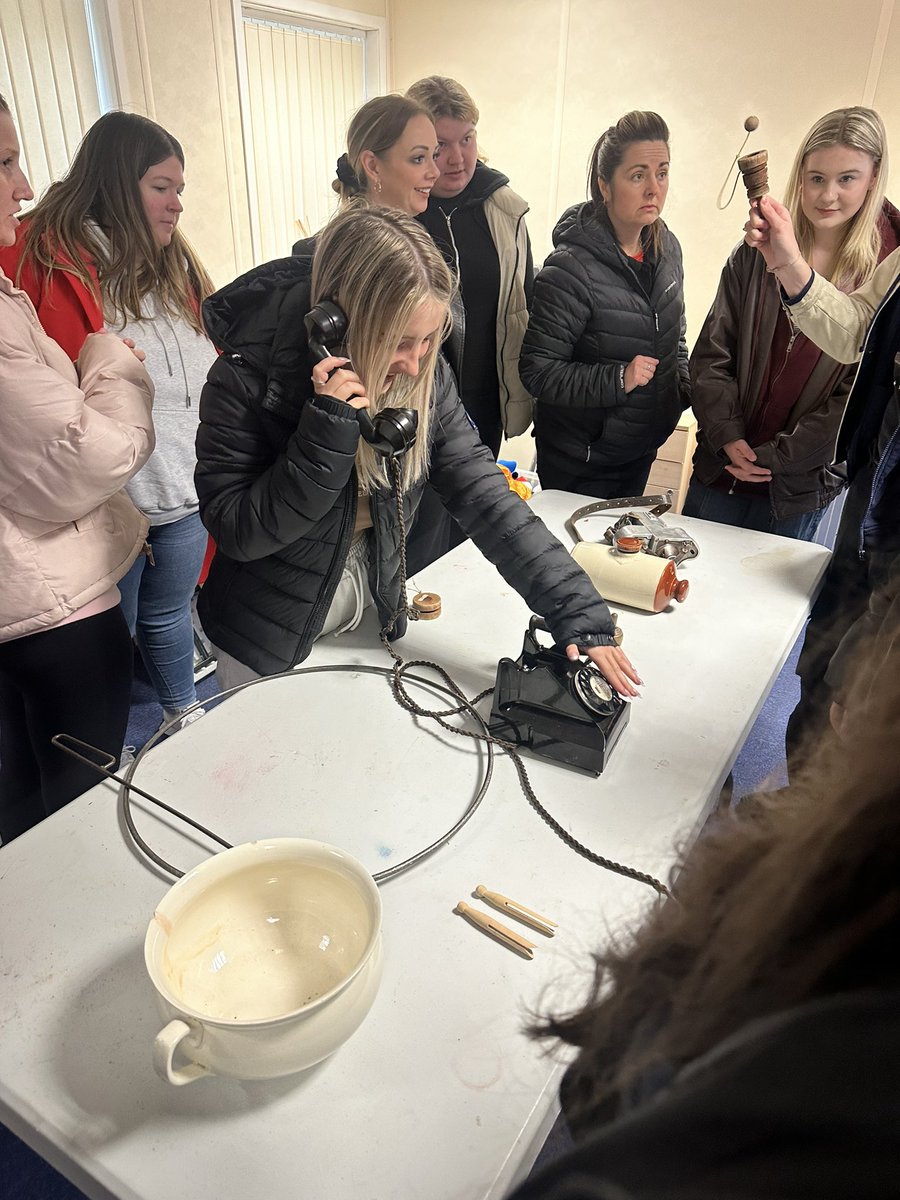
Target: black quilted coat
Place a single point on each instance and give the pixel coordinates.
(593, 311)
(277, 484)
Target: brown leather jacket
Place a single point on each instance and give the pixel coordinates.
(729, 365)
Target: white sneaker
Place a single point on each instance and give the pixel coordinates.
(188, 719)
(128, 753)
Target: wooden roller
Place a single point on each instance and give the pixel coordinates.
(755, 170)
(426, 605)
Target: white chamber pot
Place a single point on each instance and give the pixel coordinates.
(265, 959)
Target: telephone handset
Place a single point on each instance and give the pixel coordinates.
(393, 430)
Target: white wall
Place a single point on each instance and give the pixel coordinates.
(550, 75)
(188, 82)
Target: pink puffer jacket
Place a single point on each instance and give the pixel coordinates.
(70, 438)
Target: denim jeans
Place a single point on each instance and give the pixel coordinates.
(156, 601)
(748, 512)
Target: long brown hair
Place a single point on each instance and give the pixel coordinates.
(101, 191)
(792, 896)
(608, 153)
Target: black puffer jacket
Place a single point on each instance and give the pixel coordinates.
(277, 484)
(591, 315)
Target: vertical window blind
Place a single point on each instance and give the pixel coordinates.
(302, 87)
(47, 75)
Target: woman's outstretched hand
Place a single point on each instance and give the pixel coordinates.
(613, 664)
(336, 378)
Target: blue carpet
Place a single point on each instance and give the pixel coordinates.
(761, 763)
(146, 711)
(25, 1176)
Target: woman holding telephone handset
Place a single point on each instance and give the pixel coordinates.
(300, 502)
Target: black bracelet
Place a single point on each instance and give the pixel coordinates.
(790, 300)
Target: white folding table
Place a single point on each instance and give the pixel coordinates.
(440, 1093)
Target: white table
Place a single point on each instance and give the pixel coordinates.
(439, 1093)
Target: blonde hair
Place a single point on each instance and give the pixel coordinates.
(609, 152)
(379, 266)
(377, 126)
(444, 97)
(859, 129)
(101, 189)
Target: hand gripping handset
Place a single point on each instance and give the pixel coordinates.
(393, 431)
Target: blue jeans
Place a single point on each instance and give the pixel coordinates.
(748, 512)
(156, 601)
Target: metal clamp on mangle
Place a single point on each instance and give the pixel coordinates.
(656, 537)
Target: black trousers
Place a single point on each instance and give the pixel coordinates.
(601, 482)
(435, 533)
(73, 679)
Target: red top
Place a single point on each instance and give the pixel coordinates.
(67, 309)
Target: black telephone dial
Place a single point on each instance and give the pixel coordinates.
(393, 431)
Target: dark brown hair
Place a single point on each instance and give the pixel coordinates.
(101, 188)
(795, 895)
(4, 107)
(609, 151)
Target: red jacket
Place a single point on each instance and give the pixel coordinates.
(67, 309)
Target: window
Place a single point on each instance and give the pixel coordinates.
(302, 79)
(47, 74)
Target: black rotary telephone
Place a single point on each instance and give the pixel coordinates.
(562, 710)
(393, 431)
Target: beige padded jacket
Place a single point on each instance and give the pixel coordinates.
(838, 321)
(70, 438)
(505, 213)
